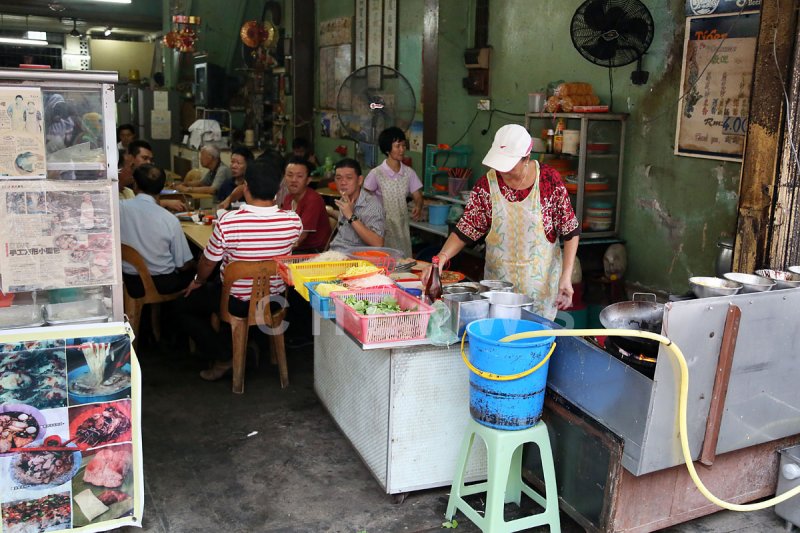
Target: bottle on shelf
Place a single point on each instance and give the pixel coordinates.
(558, 136)
(433, 289)
(549, 141)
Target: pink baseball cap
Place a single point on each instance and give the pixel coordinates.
(511, 143)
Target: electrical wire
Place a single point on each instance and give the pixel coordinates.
(485, 130)
(471, 122)
(683, 395)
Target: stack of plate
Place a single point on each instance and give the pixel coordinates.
(598, 215)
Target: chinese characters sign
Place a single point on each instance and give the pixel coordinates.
(719, 54)
(56, 234)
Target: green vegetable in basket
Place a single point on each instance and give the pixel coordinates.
(386, 306)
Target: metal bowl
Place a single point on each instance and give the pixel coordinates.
(466, 287)
(496, 285)
(794, 269)
(708, 287)
(782, 278)
(507, 304)
(750, 282)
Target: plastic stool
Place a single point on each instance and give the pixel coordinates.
(504, 484)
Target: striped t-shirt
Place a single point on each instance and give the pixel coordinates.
(253, 233)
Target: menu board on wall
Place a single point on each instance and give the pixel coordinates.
(716, 7)
(335, 64)
(716, 80)
(70, 449)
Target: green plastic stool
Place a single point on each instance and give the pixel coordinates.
(504, 484)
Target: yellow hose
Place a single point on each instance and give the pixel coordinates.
(682, 401)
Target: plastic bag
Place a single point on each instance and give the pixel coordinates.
(439, 332)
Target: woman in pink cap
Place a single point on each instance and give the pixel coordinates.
(521, 208)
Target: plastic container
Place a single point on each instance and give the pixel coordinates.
(321, 271)
(321, 304)
(437, 214)
(456, 185)
(572, 139)
(536, 102)
(393, 327)
(514, 404)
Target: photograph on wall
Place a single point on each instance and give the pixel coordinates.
(63, 468)
(56, 234)
(716, 80)
(22, 148)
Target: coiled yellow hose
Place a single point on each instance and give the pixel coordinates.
(682, 402)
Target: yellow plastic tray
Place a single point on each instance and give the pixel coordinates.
(325, 271)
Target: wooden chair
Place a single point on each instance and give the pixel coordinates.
(258, 314)
(333, 219)
(133, 306)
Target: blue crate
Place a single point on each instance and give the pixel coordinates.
(321, 304)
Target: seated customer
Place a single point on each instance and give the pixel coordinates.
(156, 234)
(257, 231)
(308, 204)
(218, 173)
(240, 157)
(302, 148)
(138, 153)
(360, 212)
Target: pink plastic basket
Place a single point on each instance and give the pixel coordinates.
(394, 327)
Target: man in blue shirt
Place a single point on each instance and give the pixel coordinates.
(156, 234)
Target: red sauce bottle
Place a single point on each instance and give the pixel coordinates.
(433, 289)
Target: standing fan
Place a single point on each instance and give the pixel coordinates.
(371, 99)
(613, 33)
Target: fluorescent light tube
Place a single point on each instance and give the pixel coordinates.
(37, 35)
(28, 42)
(115, 1)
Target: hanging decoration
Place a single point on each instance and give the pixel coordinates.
(184, 35)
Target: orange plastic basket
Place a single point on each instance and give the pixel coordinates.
(393, 327)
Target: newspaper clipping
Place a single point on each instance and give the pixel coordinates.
(56, 235)
(22, 152)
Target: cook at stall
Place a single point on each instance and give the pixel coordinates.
(521, 208)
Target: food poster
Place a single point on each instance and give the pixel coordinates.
(70, 441)
(56, 234)
(719, 55)
(22, 148)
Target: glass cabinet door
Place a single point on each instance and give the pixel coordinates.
(60, 235)
(601, 175)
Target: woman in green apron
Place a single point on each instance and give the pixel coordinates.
(393, 182)
(521, 208)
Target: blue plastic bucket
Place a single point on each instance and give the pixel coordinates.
(437, 214)
(514, 404)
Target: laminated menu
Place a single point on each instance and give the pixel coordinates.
(70, 436)
(22, 148)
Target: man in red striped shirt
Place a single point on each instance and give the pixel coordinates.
(258, 231)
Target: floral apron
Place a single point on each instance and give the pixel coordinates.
(517, 249)
(393, 193)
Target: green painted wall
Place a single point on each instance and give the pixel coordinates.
(673, 208)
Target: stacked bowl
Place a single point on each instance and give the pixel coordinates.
(598, 215)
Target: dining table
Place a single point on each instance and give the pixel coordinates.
(197, 233)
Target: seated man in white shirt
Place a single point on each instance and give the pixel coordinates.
(156, 234)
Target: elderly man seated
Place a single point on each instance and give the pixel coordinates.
(361, 214)
(257, 231)
(211, 182)
(156, 234)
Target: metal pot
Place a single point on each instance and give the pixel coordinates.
(639, 314)
(507, 304)
(724, 261)
(464, 308)
(496, 285)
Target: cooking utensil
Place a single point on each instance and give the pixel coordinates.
(645, 315)
(466, 287)
(782, 278)
(750, 282)
(709, 287)
(465, 308)
(496, 285)
(507, 304)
